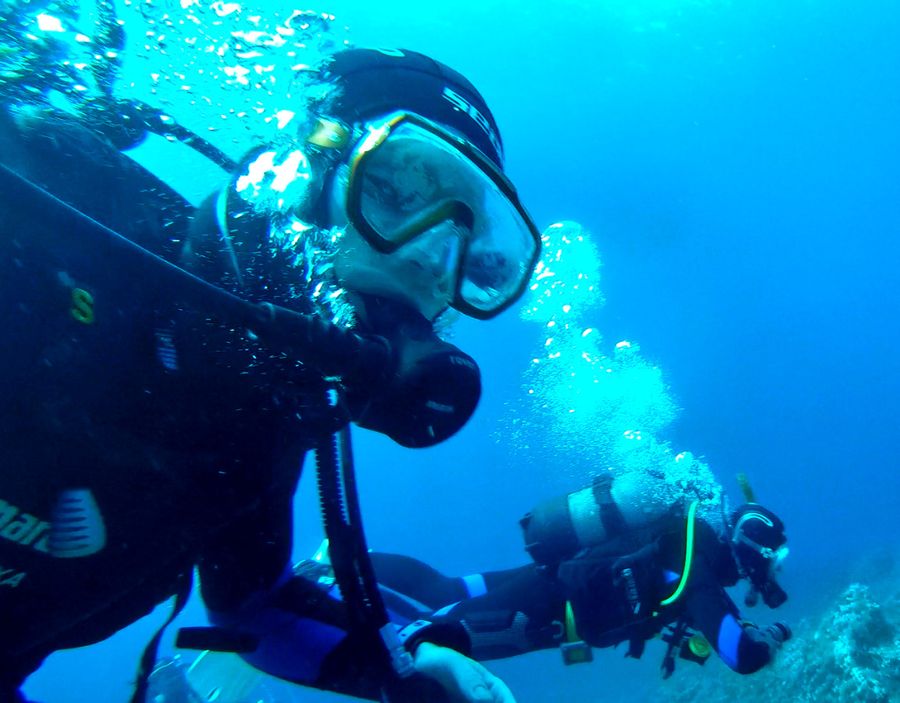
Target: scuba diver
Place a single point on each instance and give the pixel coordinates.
(169, 369)
(628, 574)
(607, 569)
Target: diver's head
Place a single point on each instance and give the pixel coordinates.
(404, 166)
(760, 546)
(428, 217)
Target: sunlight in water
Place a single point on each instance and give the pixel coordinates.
(591, 405)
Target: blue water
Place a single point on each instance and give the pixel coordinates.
(736, 165)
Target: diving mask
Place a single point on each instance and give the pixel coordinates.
(408, 177)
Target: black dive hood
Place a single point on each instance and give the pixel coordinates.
(433, 386)
(401, 379)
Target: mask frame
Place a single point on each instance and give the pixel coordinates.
(448, 209)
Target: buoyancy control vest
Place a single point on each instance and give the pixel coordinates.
(624, 562)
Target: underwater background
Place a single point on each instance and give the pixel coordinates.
(735, 166)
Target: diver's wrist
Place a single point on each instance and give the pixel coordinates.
(449, 635)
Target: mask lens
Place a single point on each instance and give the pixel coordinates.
(409, 178)
(399, 180)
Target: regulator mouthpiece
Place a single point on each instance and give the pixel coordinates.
(433, 388)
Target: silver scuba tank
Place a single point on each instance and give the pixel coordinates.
(608, 508)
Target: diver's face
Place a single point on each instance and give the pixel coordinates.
(762, 572)
(421, 273)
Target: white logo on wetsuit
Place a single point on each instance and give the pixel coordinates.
(10, 577)
(23, 528)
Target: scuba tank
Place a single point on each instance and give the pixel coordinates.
(607, 509)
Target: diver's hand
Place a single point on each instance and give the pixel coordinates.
(465, 680)
(775, 635)
(778, 633)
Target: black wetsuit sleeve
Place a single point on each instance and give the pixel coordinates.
(417, 580)
(741, 645)
(429, 586)
(296, 629)
(487, 616)
(250, 555)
